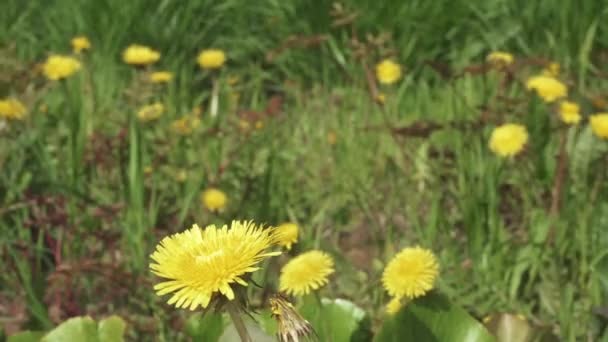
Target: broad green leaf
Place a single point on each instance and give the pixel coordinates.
(26, 336)
(255, 332)
(81, 329)
(335, 320)
(111, 329)
(207, 327)
(509, 328)
(432, 318)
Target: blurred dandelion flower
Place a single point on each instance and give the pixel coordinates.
(259, 124)
(552, 70)
(140, 55)
(161, 77)
(185, 125)
(199, 264)
(508, 139)
(306, 272)
(286, 234)
(380, 98)
(332, 138)
(599, 124)
(150, 112)
(291, 325)
(394, 305)
(214, 199)
(500, 58)
(12, 109)
(388, 72)
(411, 273)
(80, 43)
(569, 112)
(211, 59)
(59, 67)
(547, 87)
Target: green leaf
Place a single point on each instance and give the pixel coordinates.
(81, 329)
(26, 336)
(336, 320)
(433, 318)
(207, 327)
(111, 329)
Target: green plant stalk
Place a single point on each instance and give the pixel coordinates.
(136, 213)
(238, 322)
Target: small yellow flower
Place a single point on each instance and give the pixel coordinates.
(599, 125)
(200, 264)
(548, 88)
(161, 77)
(12, 109)
(552, 70)
(332, 138)
(306, 272)
(508, 139)
(500, 58)
(214, 199)
(291, 325)
(80, 44)
(211, 59)
(569, 112)
(140, 55)
(388, 72)
(59, 67)
(150, 112)
(185, 125)
(286, 234)
(411, 273)
(395, 304)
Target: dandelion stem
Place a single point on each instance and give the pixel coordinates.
(214, 98)
(233, 311)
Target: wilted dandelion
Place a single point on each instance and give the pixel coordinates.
(59, 67)
(411, 273)
(150, 112)
(214, 199)
(291, 325)
(500, 58)
(306, 272)
(161, 77)
(185, 125)
(508, 139)
(547, 87)
(140, 55)
(286, 234)
(211, 59)
(599, 125)
(80, 44)
(388, 72)
(200, 264)
(569, 112)
(12, 109)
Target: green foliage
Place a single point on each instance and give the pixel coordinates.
(205, 327)
(333, 319)
(82, 329)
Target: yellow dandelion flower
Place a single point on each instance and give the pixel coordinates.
(185, 125)
(199, 264)
(161, 77)
(508, 139)
(552, 70)
(80, 44)
(569, 112)
(211, 59)
(214, 199)
(12, 109)
(150, 112)
(548, 88)
(59, 67)
(394, 305)
(286, 234)
(388, 72)
(140, 55)
(599, 125)
(291, 326)
(306, 272)
(500, 58)
(411, 273)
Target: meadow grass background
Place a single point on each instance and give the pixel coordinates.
(85, 194)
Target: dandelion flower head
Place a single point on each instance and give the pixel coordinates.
(569, 112)
(286, 234)
(508, 140)
(80, 44)
(500, 58)
(411, 273)
(161, 77)
(599, 125)
(214, 199)
(150, 112)
(140, 55)
(12, 109)
(388, 72)
(547, 87)
(211, 59)
(59, 67)
(306, 272)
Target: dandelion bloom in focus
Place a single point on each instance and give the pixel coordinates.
(306, 272)
(291, 326)
(286, 234)
(150, 112)
(161, 77)
(80, 44)
(499, 58)
(547, 87)
(59, 67)
(199, 264)
(508, 139)
(388, 72)
(411, 273)
(211, 59)
(599, 125)
(552, 69)
(569, 112)
(185, 125)
(12, 109)
(214, 199)
(140, 55)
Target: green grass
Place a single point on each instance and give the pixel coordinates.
(501, 249)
